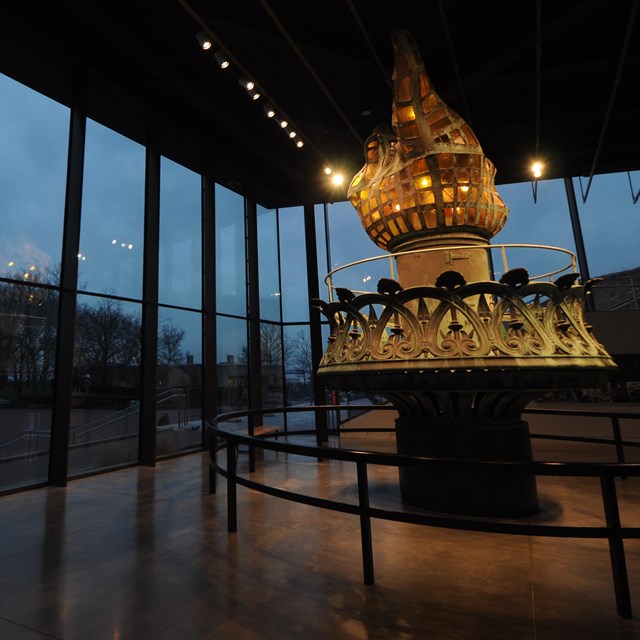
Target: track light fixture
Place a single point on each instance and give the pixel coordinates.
(250, 86)
(269, 110)
(204, 40)
(221, 59)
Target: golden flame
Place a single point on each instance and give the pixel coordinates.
(429, 174)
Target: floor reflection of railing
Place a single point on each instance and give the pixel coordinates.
(607, 473)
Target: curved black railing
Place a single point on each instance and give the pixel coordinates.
(612, 531)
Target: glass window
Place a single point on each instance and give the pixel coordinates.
(544, 222)
(34, 131)
(350, 243)
(298, 364)
(293, 258)
(611, 228)
(28, 327)
(179, 388)
(112, 227)
(232, 367)
(268, 264)
(271, 354)
(231, 276)
(180, 268)
(105, 413)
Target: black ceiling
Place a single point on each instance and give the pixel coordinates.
(560, 78)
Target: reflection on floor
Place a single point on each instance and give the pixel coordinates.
(144, 554)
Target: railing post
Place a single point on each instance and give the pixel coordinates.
(213, 459)
(505, 265)
(365, 523)
(232, 506)
(615, 425)
(616, 546)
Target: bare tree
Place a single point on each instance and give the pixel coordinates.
(28, 330)
(271, 346)
(103, 338)
(169, 344)
(299, 355)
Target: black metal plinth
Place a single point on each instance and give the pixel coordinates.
(467, 492)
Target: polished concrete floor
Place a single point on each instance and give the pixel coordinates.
(145, 554)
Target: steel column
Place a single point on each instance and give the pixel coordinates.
(253, 312)
(577, 235)
(61, 410)
(209, 328)
(315, 327)
(149, 337)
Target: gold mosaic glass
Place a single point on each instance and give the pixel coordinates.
(429, 175)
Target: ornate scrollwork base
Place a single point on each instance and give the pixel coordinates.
(459, 362)
(479, 336)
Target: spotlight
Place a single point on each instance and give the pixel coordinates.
(249, 85)
(299, 144)
(282, 123)
(268, 109)
(536, 169)
(327, 171)
(204, 40)
(337, 179)
(221, 59)
(291, 133)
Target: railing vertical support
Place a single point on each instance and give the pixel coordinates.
(232, 504)
(615, 426)
(365, 523)
(213, 459)
(616, 546)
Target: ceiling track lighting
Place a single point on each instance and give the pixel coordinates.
(221, 59)
(250, 86)
(204, 40)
